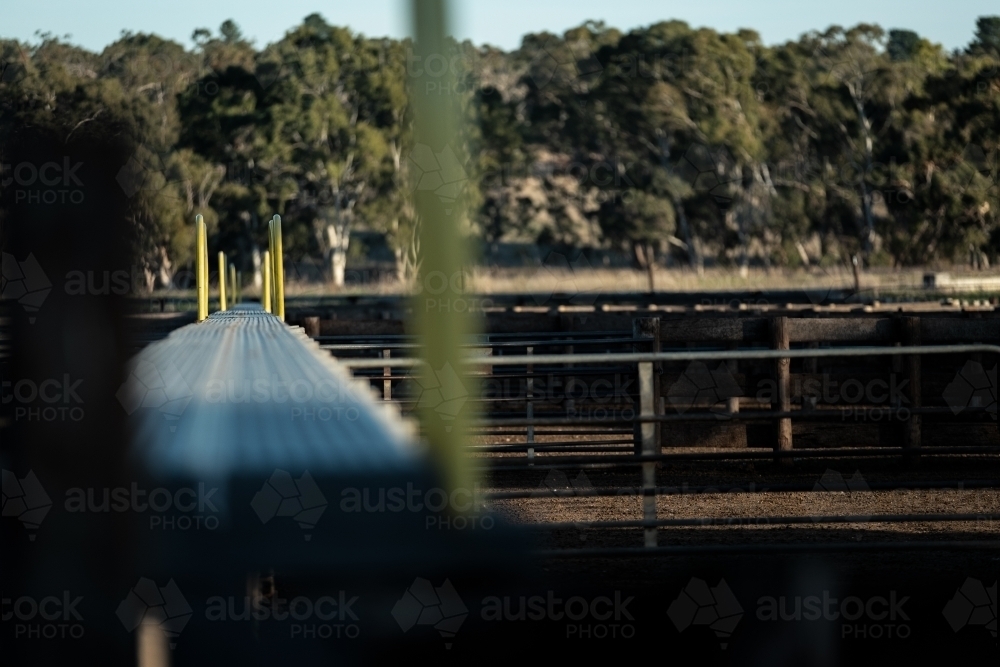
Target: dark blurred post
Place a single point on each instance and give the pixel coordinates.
(442, 307)
(65, 252)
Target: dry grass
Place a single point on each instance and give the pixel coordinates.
(599, 281)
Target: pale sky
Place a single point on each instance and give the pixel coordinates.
(96, 23)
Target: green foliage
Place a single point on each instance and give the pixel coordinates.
(877, 143)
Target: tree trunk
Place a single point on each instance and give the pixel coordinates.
(258, 280)
(694, 256)
(339, 238)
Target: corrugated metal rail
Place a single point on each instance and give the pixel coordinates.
(244, 393)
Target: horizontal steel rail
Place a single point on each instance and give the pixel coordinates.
(818, 414)
(485, 345)
(771, 548)
(634, 460)
(708, 355)
(715, 489)
(766, 521)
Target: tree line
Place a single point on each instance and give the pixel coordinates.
(672, 144)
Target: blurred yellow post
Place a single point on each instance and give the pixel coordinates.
(201, 267)
(204, 261)
(441, 308)
(278, 269)
(232, 284)
(222, 280)
(265, 295)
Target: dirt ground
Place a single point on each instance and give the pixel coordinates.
(738, 491)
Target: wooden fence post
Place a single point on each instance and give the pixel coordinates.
(649, 447)
(782, 378)
(647, 330)
(530, 407)
(387, 372)
(911, 336)
(311, 326)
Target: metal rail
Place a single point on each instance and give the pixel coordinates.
(724, 355)
(639, 459)
(714, 489)
(772, 547)
(767, 520)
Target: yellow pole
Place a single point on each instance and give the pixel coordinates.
(222, 280)
(270, 245)
(201, 268)
(232, 284)
(443, 321)
(265, 297)
(208, 273)
(239, 287)
(278, 270)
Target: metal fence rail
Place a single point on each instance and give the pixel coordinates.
(647, 447)
(709, 355)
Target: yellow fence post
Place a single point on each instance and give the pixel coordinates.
(278, 270)
(270, 254)
(201, 268)
(204, 263)
(265, 296)
(222, 280)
